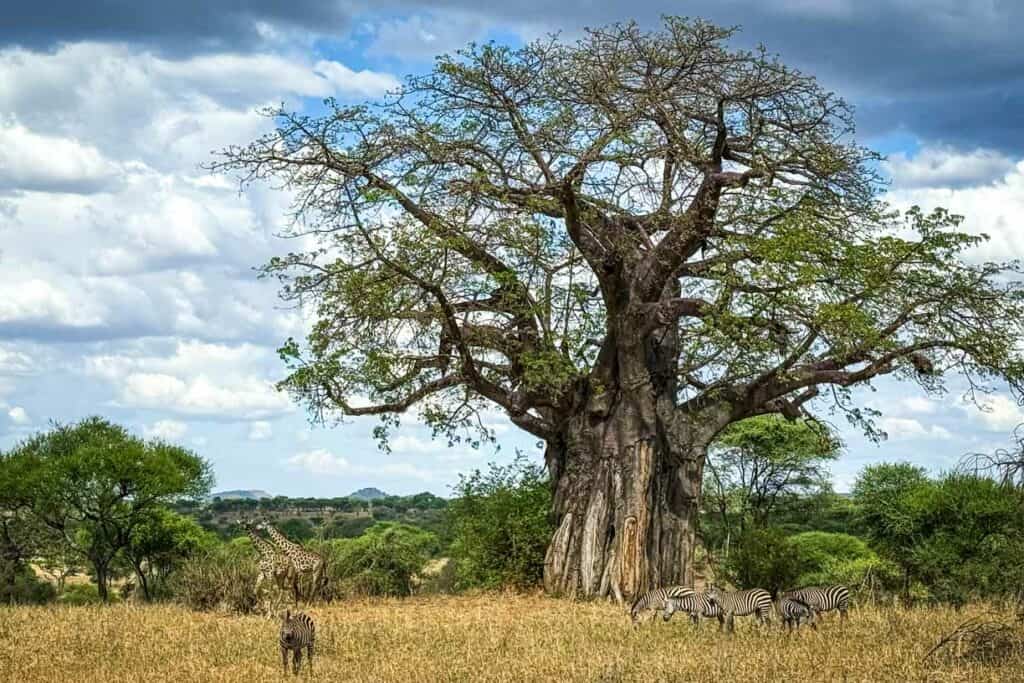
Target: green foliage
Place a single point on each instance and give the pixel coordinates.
(834, 558)
(223, 577)
(761, 465)
(888, 500)
(79, 594)
(348, 528)
(762, 558)
(161, 543)
(957, 537)
(92, 483)
(500, 526)
(971, 539)
(20, 586)
(297, 529)
(385, 560)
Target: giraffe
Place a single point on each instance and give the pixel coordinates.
(303, 561)
(272, 563)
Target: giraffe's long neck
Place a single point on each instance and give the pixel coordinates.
(262, 547)
(281, 540)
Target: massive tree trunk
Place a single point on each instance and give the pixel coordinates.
(627, 470)
(625, 506)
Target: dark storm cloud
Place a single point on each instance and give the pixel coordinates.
(171, 26)
(948, 70)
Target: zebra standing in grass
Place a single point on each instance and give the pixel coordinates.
(823, 599)
(755, 601)
(793, 611)
(657, 599)
(297, 632)
(696, 605)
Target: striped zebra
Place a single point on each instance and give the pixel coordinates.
(297, 632)
(696, 605)
(657, 599)
(755, 601)
(793, 611)
(823, 599)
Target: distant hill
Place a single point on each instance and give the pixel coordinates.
(248, 494)
(367, 494)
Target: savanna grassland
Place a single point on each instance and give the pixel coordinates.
(481, 638)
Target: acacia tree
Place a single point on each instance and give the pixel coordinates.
(625, 243)
(756, 464)
(92, 484)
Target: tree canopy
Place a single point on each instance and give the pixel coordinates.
(93, 485)
(758, 463)
(485, 232)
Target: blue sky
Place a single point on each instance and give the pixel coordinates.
(128, 289)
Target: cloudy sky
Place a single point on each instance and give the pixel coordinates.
(127, 286)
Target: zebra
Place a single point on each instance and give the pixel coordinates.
(755, 601)
(297, 632)
(823, 599)
(657, 599)
(793, 611)
(696, 605)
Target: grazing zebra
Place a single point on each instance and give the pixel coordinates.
(793, 611)
(741, 603)
(823, 599)
(657, 599)
(297, 632)
(696, 605)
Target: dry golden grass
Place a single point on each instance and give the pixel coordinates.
(482, 638)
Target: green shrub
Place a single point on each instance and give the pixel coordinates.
(297, 529)
(349, 528)
(20, 586)
(762, 558)
(501, 526)
(831, 558)
(221, 578)
(79, 594)
(386, 560)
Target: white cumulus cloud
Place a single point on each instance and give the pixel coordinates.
(998, 413)
(320, 461)
(44, 163)
(260, 430)
(166, 430)
(901, 428)
(947, 167)
(207, 380)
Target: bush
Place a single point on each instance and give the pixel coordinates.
(20, 586)
(386, 560)
(763, 558)
(349, 528)
(501, 526)
(297, 529)
(441, 578)
(79, 594)
(222, 578)
(832, 558)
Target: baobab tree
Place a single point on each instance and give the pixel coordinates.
(625, 243)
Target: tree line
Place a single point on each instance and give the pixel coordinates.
(91, 498)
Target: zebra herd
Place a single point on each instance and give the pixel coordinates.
(298, 632)
(794, 607)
